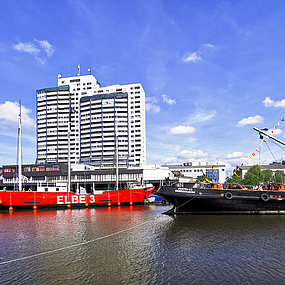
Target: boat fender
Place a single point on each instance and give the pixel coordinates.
(228, 195)
(264, 197)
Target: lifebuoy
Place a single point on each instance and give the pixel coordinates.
(264, 197)
(228, 195)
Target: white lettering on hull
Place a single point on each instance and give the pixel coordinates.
(75, 199)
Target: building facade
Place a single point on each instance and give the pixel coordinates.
(82, 176)
(214, 172)
(103, 120)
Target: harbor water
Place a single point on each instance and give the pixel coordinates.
(140, 245)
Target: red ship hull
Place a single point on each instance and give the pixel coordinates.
(63, 199)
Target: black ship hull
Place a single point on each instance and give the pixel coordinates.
(223, 201)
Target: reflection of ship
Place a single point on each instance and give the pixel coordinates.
(227, 198)
(58, 194)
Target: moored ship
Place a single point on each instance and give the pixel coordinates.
(228, 198)
(231, 198)
(59, 197)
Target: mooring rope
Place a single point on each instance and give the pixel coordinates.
(73, 245)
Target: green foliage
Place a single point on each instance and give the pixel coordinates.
(234, 179)
(278, 176)
(266, 175)
(200, 179)
(252, 177)
(255, 176)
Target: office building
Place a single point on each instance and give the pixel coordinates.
(103, 120)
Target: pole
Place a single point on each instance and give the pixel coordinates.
(68, 142)
(269, 136)
(117, 161)
(19, 150)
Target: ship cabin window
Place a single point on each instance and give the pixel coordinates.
(57, 189)
(46, 189)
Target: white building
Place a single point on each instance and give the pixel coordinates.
(214, 172)
(98, 115)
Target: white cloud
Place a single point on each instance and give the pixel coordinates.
(9, 113)
(151, 106)
(167, 100)
(192, 57)
(47, 47)
(274, 132)
(199, 116)
(235, 154)
(27, 47)
(40, 50)
(181, 130)
(271, 103)
(250, 120)
(192, 154)
(196, 56)
(209, 46)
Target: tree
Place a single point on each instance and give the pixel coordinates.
(252, 177)
(266, 175)
(234, 179)
(200, 179)
(278, 176)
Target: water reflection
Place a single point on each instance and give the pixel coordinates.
(138, 245)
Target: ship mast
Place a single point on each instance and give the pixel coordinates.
(19, 150)
(68, 148)
(269, 136)
(117, 153)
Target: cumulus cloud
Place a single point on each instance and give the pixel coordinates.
(250, 120)
(235, 154)
(192, 154)
(181, 130)
(271, 103)
(9, 112)
(167, 100)
(274, 132)
(41, 50)
(150, 105)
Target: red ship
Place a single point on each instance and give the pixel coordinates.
(64, 199)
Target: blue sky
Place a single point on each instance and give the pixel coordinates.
(211, 70)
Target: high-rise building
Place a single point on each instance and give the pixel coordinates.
(103, 120)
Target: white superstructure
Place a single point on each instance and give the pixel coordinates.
(97, 115)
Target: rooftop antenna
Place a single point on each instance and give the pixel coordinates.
(89, 70)
(78, 69)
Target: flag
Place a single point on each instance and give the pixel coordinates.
(253, 154)
(256, 150)
(207, 179)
